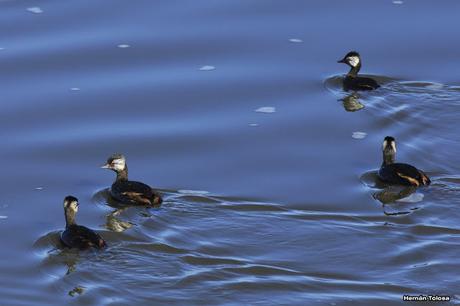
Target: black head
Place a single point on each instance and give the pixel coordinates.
(71, 204)
(389, 144)
(352, 59)
(116, 162)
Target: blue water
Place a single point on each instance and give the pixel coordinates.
(260, 208)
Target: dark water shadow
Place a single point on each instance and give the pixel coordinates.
(395, 199)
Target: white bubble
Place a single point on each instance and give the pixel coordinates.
(295, 40)
(253, 124)
(35, 10)
(75, 89)
(123, 46)
(266, 109)
(207, 68)
(3, 217)
(398, 2)
(358, 135)
(38, 188)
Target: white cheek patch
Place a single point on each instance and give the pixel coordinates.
(384, 145)
(353, 60)
(393, 145)
(118, 164)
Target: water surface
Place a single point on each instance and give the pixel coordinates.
(290, 212)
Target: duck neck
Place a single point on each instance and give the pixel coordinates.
(69, 218)
(388, 158)
(122, 175)
(354, 71)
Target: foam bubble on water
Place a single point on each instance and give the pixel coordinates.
(359, 135)
(75, 89)
(413, 198)
(295, 40)
(253, 124)
(266, 109)
(207, 68)
(38, 188)
(398, 2)
(3, 217)
(35, 10)
(123, 46)
(193, 192)
(2, 48)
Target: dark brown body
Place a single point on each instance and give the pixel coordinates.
(134, 193)
(81, 237)
(403, 174)
(359, 83)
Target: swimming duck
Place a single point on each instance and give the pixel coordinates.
(398, 173)
(352, 81)
(129, 192)
(78, 236)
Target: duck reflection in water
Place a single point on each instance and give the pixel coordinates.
(71, 262)
(351, 103)
(62, 256)
(392, 194)
(397, 200)
(115, 224)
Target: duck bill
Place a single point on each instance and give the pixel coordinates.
(341, 61)
(106, 166)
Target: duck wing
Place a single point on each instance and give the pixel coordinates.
(403, 174)
(360, 83)
(133, 192)
(81, 237)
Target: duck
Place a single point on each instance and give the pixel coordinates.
(78, 236)
(126, 191)
(352, 81)
(399, 173)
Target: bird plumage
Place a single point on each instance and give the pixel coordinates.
(78, 236)
(399, 173)
(352, 80)
(81, 237)
(126, 191)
